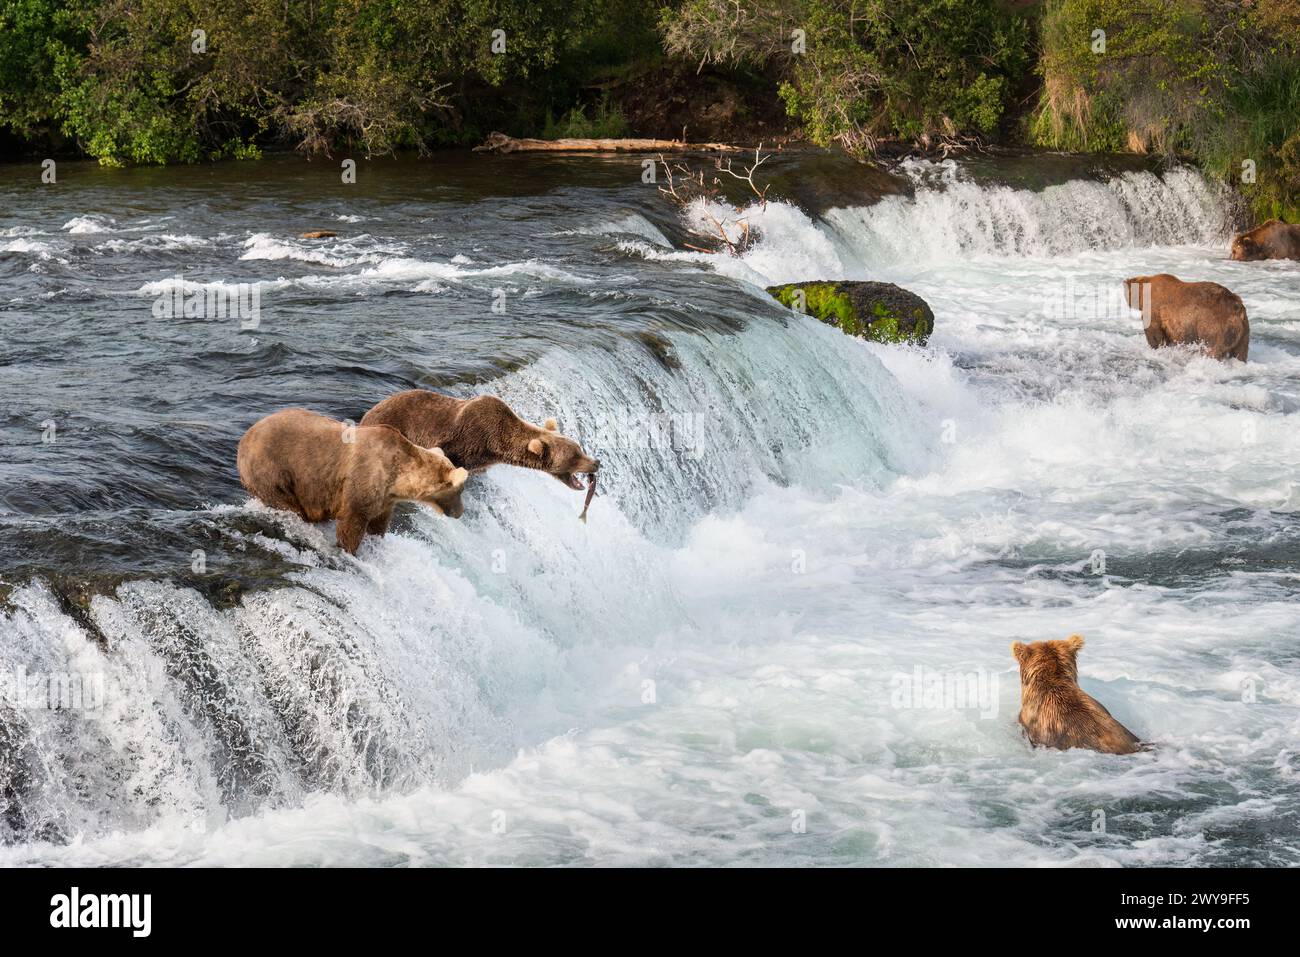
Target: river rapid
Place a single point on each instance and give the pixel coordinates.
(783, 635)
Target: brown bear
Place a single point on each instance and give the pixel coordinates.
(481, 432)
(1054, 711)
(1176, 312)
(321, 468)
(1271, 240)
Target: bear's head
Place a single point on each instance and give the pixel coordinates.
(1137, 292)
(435, 482)
(560, 456)
(1048, 662)
(1246, 248)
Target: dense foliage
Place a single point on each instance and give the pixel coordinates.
(870, 69)
(1218, 80)
(165, 80)
(158, 81)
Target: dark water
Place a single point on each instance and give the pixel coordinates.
(147, 412)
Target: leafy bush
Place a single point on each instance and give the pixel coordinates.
(40, 42)
(1217, 80)
(914, 69)
(1120, 74)
(606, 122)
(130, 81)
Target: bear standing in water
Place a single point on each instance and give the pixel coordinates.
(320, 469)
(1271, 240)
(1176, 312)
(1054, 711)
(481, 432)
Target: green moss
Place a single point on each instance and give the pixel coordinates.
(829, 303)
(821, 300)
(889, 327)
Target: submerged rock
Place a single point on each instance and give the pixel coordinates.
(879, 311)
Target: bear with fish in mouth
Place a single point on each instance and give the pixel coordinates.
(483, 431)
(321, 468)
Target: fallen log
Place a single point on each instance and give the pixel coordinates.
(500, 143)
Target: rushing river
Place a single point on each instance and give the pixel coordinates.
(802, 535)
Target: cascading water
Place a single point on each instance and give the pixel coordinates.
(412, 665)
(791, 519)
(951, 217)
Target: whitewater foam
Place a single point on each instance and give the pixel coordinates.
(792, 519)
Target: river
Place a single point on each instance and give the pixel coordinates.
(801, 536)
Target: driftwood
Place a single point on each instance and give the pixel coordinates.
(685, 185)
(500, 143)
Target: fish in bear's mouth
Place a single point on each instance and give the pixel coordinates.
(574, 482)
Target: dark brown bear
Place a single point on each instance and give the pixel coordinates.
(1272, 240)
(1176, 312)
(321, 468)
(1054, 711)
(481, 432)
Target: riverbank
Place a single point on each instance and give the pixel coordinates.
(1181, 80)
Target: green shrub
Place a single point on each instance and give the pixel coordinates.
(40, 45)
(1217, 82)
(914, 69)
(606, 122)
(124, 78)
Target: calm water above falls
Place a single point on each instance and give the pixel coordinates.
(793, 519)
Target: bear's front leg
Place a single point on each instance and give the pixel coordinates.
(1156, 335)
(349, 530)
(379, 524)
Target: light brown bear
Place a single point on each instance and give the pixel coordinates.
(321, 468)
(1177, 312)
(481, 432)
(1054, 711)
(1271, 240)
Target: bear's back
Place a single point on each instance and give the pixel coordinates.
(421, 415)
(1065, 716)
(1204, 312)
(1281, 239)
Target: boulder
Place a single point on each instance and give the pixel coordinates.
(879, 311)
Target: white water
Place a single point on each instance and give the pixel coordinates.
(835, 514)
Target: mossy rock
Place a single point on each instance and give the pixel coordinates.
(879, 311)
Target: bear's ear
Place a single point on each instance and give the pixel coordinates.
(535, 446)
(1018, 650)
(552, 425)
(458, 478)
(1074, 643)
